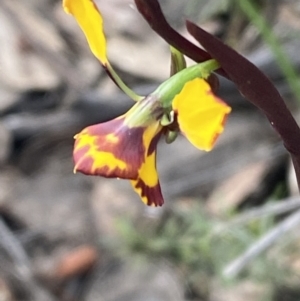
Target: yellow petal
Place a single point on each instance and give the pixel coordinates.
(110, 149)
(147, 185)
(201, 115)
(90, 20)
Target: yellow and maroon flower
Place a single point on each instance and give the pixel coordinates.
(201, 115)
(125, 147)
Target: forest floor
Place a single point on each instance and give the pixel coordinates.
(228, 228)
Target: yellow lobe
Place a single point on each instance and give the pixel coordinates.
(200, 114)
(100, 159)
(148, 172)
(90, 21)
(147, 184)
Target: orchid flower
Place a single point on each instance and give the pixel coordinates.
(253, 85)
(125, 147)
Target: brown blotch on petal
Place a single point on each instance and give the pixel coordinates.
(122, 143)
(130, 147)
(107, 172)
(85, 164)
(153, 144)
(153, 194)
(255, 87)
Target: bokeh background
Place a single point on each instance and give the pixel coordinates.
(229, 228)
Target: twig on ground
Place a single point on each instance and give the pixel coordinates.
(237, 265)
(280, 207)
(14, 249)
(21, 267)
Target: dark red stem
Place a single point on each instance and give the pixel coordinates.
(152, 13)
(255, 87)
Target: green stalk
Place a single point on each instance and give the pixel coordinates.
(172, 86)
(283, 61)
(178, 62)
(130, 93)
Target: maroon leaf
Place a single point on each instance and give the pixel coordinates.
(151, 11)
(255, 87)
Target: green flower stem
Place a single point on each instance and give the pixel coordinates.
(178, 62)
(171, 87)
(130, 93)
(270, 38)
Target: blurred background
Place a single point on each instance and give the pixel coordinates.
(229, 228)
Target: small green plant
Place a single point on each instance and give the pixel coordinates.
(253, 14)
(200, 246)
